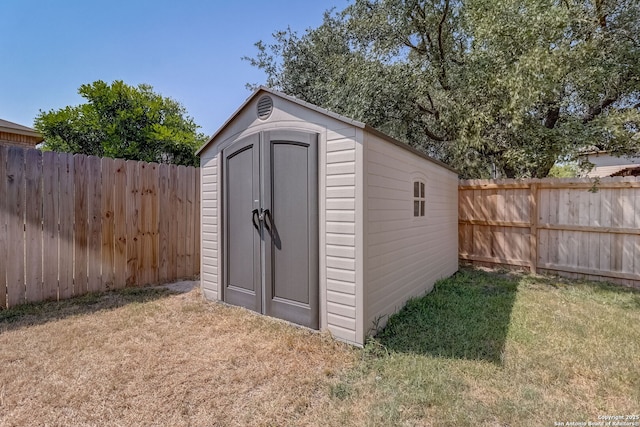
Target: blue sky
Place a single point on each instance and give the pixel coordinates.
(188, 50)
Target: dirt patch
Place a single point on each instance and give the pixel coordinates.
(168, 360)
(182, 287)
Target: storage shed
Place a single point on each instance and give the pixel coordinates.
(321, 220)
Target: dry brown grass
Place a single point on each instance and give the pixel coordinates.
(483, 349)
(152, 357)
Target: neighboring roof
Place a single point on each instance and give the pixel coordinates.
(592, 153)
(632, 171)
(326, 112)
(10, 127)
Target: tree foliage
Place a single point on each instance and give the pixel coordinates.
(564, 170)
(510, 86)
(123, 121)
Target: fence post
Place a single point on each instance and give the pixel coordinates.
(533, 218)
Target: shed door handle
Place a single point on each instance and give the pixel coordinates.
(253, 218)
(267, 219)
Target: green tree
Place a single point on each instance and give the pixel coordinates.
(123, 121)
(564, 170)
(505, 85)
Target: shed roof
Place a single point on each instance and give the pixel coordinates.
(10, 127)
(325, 112)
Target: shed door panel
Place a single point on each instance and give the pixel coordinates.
(271, 263)
(242, 238)
(291, 229)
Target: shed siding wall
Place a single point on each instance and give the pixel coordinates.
(209, 227)
(405, 256)
(340, 234)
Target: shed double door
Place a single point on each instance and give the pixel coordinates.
(270, 189)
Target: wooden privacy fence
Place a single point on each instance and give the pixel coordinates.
(554, 225)
(72, 224)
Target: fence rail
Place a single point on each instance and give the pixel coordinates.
(554, 225)
(72, 224)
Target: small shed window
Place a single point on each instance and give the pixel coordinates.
(418, 198)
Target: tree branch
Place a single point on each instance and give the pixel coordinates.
(440, 26)
(431, 111)
(433, 107)
(421, 12)
(443, 71)
(595, 110)
(553, 114)
(425, 45)
(426, 36)
(433, 136)
(601, 18)
(407, 43)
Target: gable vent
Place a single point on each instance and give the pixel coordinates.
(265, 107)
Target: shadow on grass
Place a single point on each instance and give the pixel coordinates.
(622, 296)
(44, 312)
(466, 316)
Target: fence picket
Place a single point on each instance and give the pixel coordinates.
(120, 223)
(163, 223)
(181, 269)
(197, 231)
(4, 209)
(50, 219)
(190, 226)
(81, 212)
(66, 206)
(133, 203)
(107, 222)
(94, 227)
(593, 256)
(15, 192)
(153, 223)
(605, 219)
(636, 252)
(145, 224)
(172, 270)
(33, 226)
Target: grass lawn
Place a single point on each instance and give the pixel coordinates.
(494, 349)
